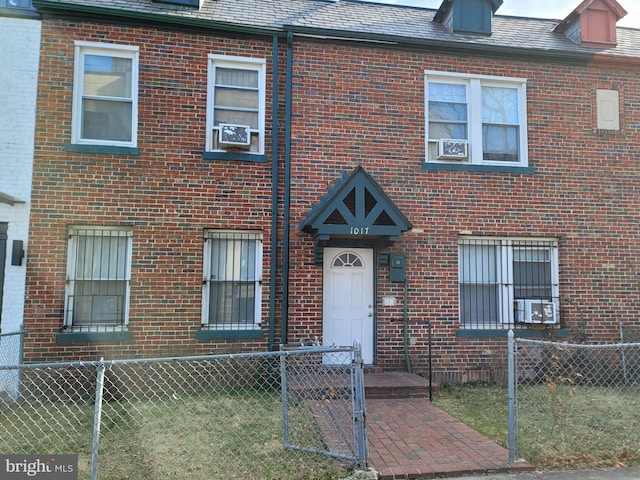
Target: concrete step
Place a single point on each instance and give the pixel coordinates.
(397, 385)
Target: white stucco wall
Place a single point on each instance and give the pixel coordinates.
(19, 55)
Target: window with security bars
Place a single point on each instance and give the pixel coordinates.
(98, 278)
(508, 283)
(232, 280)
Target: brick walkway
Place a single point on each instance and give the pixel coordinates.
(410, 438)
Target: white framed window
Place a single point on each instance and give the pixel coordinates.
(236, 104)
(508, 282)
(232, 280)
(476, 119)
(105, 95)
(98, 278)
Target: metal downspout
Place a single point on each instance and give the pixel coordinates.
(274, 197)
(405, 327)
(287, 187)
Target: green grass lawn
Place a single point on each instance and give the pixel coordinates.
(236, 435)
(560, 426)
(204, 437)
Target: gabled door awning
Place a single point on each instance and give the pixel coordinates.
(355, 208)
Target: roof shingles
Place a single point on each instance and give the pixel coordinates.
(353, 19)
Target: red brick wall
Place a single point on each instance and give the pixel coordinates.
(167, 193)
(353, 105)
(364, 106)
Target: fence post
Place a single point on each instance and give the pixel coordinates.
(624, 358)
(283, 393)
(97, 418)
(511, 381)
(430, 330)
(359, 415)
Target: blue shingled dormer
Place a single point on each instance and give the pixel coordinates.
(471, 17)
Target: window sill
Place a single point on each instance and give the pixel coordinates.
(76, 147)
(18, 12)
(227, 334)
(109, 337)
(235, 156)
(518, 332)
(469, 167)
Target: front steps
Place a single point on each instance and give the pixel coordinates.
(396, 385)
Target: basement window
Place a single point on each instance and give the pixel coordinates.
(98, 278)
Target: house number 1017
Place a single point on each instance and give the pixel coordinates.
(359, 230)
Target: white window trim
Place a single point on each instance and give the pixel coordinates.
(504, 248)
(209, 234)
(104, 49)
(258, 64)
(474, 85)
(71, 256)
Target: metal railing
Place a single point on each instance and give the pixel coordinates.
(289, 414)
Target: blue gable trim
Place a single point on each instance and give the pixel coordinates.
(355, 208)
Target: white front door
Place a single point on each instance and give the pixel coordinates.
(348, 298)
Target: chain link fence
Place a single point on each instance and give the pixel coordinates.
(10, 354)
(276, 415)
(575, 405)
(11, 347)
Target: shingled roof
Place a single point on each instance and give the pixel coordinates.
(353, 20)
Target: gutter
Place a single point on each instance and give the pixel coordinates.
(99, 14)
(444, 46)
(274, 195)
(568, 57)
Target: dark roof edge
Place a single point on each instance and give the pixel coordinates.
(56, 8)
(46, 7)
(443, 46)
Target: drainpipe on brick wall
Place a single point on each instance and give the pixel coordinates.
(274, 196)
(287, 186)
(405, 326)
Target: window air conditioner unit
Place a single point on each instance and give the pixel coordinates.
(235, 135)
(536, 311)
(452, 149)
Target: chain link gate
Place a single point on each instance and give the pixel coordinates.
(325, 387)
(289, 414)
